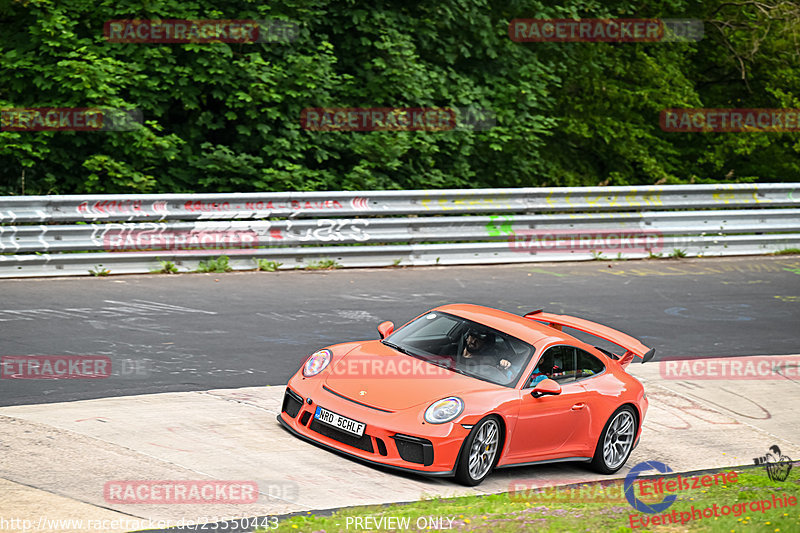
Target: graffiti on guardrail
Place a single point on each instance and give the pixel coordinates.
(221, 236)
(268, 205)
(108, 208)
(738, 197)
(500, 225)
(328, 230)
(457, 204)
(641, 198)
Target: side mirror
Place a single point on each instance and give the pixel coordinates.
(546, 386)
(385, 329)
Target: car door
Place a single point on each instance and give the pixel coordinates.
(591, 374)
(549, 426)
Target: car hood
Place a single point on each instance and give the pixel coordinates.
(379, 376)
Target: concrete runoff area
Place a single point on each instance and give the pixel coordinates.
(65, 453)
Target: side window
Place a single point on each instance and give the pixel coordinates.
(588, 365)
(556, 363)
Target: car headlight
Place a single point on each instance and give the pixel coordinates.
(444, 410)
(316, 363)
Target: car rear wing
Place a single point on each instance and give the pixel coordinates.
(631, 346)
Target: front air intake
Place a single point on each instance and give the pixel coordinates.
(291, 403)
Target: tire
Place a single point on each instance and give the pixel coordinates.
(616, 441)
(481, 449)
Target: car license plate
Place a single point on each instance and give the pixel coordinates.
(340, 422)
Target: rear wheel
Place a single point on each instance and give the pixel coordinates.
(479, 453)
(616, 441)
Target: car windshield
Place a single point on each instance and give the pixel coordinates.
(464, 346)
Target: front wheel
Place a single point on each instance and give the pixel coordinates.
(479, 453)
(616, 441)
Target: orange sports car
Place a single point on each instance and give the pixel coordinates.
(463, 389)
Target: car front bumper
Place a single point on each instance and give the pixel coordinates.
(393, 439)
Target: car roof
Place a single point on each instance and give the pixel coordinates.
(524, 329)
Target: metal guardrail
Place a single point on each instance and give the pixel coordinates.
(139, 207)
(131, 233)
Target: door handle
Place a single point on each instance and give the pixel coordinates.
(578, 406)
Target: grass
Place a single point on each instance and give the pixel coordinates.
(98, 270)
(787, 251)
(323, 264)
(598, 256)
(167, 267)
(677, 253)
(220, 264)
(590, 507)
(264, 265)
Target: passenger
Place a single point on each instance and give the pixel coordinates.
(546, 368)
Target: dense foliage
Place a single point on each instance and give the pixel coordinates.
(223, 117)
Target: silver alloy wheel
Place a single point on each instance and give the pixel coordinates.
(619, 439)
(484, 448)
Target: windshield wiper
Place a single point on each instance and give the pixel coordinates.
(398, 348)
(448, 367)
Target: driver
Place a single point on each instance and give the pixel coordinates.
(480, 348)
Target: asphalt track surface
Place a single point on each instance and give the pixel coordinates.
(171, 333)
